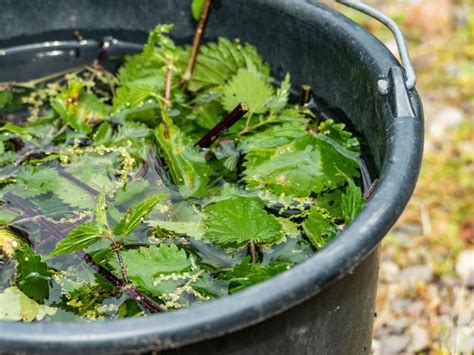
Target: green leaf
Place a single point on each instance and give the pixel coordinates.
(194, 229)
(218, 62)
(247, 87)
(318, 228)
(247, 274)
(130, 191)
(33, 275)
(101, 212)
(337, 132)
(135, 215)
(73, 195)
(35, 181)
(238, 220)
(188, 167)
(352, 201)
(6, 97)
(79, 238)
(280, 100)
(144, 264)
(16, 306)
(304, 166)
(197, 7)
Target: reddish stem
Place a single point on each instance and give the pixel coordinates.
(196, 43)
(224, 125)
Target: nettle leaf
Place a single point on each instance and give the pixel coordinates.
(248, 87)
(130, 191)
(352, 201)
(318, 227)
(280, 100)
(73, 195)
(247, 274)
(218, 62)
(101, 212)
(6, 97)
(135, 215)
(194, 229)
(78, 107)
(33, 275)
(79, 238)
(35, 181)
(307, 165)
(196, 8)
(188, 167)
(144, 264)
(337, 132)
(238, 220)
(16, 306)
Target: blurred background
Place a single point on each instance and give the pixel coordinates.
(425, 301)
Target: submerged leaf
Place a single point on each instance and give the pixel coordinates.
(33, 275)
(16, 306)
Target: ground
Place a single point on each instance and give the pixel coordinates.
(425, 301)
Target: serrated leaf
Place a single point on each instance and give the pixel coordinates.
(352, 201)
(280, 100)
(218, 62)
(238, 220)
(248, 87)
(16, 306)
(304, 166)
(193, 229)
(35, 181)
(247, 274)
(318, 228)
(101, 212)
(188, 167)
(135, 215)
(33, 275)
(337, 132)
(73, 195)
(78, 239)
(144, 264)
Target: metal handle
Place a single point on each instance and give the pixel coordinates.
(397, 33)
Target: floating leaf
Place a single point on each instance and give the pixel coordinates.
(352, 201)
(248, 87)
(318, 228)
(238, 220)
(78, 239)
(33, 275)
(135, 215)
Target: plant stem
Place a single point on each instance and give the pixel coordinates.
(123, 269)
(305, 95)
(369, 192)
(253, 251)
(224, 125)
(196, 43)
(169, 74)
(146, 302)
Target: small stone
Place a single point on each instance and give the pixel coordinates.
(415, 309)
(465, 267)
(389, 271)
(398, 325)
(418, 273)
(394, 344)
(420, 339)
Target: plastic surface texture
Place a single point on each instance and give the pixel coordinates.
(324, 304)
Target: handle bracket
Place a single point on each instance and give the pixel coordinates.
(383, 84)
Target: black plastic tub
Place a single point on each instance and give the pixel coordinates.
(324, 305)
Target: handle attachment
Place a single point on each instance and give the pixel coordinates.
(383, 84)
